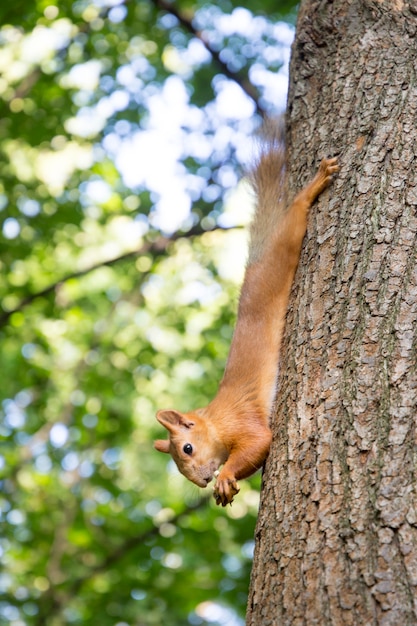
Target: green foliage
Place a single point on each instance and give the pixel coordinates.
(117, 154)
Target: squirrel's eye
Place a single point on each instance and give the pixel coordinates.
(188, 448)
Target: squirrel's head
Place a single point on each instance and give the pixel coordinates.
(192, 445)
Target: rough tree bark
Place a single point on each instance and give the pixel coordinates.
(336, 540)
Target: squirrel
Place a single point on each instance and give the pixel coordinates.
(233, 430)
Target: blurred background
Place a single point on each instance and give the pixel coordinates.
(124, 130)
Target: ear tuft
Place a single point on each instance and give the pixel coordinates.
(169, 417)
(162, 445)
(172, 420)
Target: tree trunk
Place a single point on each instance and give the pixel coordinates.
(336, 539)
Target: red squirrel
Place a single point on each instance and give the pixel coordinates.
(233, 429)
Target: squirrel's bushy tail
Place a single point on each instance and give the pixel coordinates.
(268, 181)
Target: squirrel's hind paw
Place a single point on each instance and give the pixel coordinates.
(322, 179)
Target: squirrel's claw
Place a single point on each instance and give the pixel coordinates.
(327, 168)
(225, 489)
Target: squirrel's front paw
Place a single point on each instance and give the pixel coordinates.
(225, 489)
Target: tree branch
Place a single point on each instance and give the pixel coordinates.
(157, 247)
(130, 544)
(58, 596)
(241, 80)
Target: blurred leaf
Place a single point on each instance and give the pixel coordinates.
(123, 130)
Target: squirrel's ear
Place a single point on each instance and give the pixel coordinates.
(173, 419)
(162, 445)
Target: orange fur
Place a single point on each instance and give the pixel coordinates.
(233, 429)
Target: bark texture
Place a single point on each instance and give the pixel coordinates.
(336, 540)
